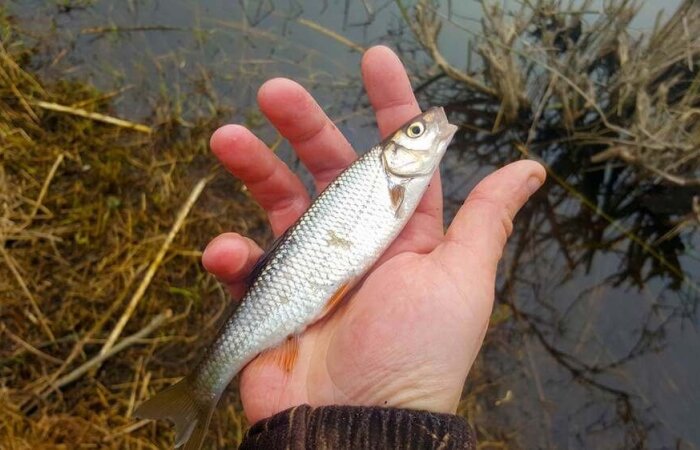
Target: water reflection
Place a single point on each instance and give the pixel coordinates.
(594, 340)
(596, 325)
(599, 326)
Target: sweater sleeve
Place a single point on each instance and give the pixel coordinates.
(355, 427)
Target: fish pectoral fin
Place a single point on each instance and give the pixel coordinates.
(284, 355)
(397, 193)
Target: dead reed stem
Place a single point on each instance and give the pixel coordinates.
(93, 116)
(153, 267)
(97, 360)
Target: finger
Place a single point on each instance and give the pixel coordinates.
(268, 179)
(475, 240)
(391, 95)
(231, 257)
(388, 88)
(316, 140)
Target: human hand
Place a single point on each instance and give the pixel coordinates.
(412, 329)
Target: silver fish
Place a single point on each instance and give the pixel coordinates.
(340, 236)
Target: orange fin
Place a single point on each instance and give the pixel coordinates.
(284, 355)
(335, 300)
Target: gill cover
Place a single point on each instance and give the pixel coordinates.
(417, 147)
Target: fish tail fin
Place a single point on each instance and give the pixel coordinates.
(184, 405)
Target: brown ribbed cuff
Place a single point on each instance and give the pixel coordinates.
(354, 427)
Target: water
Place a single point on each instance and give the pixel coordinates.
(602, 351)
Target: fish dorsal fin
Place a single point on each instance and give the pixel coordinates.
(265, 258)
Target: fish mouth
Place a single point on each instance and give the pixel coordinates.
(446, 129)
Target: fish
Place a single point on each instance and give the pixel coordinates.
(311, 267)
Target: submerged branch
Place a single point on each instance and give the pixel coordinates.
(331, 34)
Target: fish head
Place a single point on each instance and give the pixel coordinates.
(415, 149)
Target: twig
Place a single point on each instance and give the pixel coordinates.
(127, 429)
(540, 110)
(689, 51)
(118, 29)
(22, 100)
(18, 276)
(80, 343)
(44, 189)
(29, 347)
(425, 30)
(136, 298)
(11, 64)
(93, 116)
(626, 155)
(134, 388)
(538, 386)
(96, 361)
(103, 97)
(330, 33)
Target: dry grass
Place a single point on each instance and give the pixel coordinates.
(95, 243)
(556, 69)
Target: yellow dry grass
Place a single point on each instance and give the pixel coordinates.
(102, 297)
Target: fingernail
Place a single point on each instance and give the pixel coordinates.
(533, 184)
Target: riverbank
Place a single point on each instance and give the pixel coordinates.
(101, 228)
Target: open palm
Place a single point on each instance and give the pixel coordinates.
(411, 330)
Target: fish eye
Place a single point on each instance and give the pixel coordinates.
(415, 129)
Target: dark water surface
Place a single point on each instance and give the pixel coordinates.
(599, 345)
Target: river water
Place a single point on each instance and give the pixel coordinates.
(602, 351)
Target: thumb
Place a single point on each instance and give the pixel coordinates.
(475, 240)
